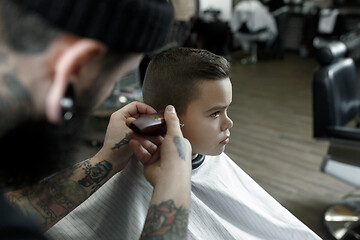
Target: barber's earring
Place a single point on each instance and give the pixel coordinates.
(68, 103)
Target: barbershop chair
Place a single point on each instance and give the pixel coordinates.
(251, 24)
(253, 38)
(336, 108)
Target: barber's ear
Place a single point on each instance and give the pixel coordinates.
(71, 59)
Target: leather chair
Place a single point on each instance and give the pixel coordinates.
(336, 108)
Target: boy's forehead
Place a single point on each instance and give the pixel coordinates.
(212, 93)
(218, 87)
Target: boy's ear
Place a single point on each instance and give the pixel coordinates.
(70, 61)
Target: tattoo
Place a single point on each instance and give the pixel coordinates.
(123, 142)
(165, 221)
(84, 165)
(46, 204)
(35, 33)
(180, 146)
(49, 206)
(56, 197)
(14, 99)
(94, 175)
(29, 210)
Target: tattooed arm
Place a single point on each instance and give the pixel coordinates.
(169, 171)
(50, 201)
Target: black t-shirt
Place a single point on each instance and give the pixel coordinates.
(14, 225)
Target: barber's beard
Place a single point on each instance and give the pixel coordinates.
(37, 149)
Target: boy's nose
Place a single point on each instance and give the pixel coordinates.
(228, 123)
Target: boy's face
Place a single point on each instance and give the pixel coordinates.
(206, 123)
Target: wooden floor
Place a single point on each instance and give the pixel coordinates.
(272, 136)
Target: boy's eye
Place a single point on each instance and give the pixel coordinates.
(215, 114)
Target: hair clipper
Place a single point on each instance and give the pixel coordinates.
(150, 125)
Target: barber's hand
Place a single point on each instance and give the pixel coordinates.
(169, 171)
(170, 165)
(116, 143)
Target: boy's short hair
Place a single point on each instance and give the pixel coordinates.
(172, 76)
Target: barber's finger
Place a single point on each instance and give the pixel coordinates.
(134, 109)
(129, 120)
(172, 121)
(146, 144)
(155, 157)
(157, 140)
(140, 152)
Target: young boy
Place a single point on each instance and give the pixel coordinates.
(225, 202)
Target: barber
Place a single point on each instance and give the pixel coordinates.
(59, 59)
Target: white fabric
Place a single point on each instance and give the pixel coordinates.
(255, 15)
(225, 204)
(327, 20)
(184, 10)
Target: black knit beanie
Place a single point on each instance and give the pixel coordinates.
(123, 25)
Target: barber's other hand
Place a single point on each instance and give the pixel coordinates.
(116, 143)
(171, 164)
